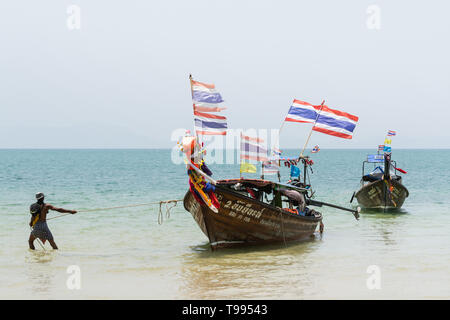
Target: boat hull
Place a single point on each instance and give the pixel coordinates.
(376, 195)
(244, 221)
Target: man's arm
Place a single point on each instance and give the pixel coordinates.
(61, 209)
(31, 221)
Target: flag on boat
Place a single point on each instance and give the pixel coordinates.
(315, 149)
(326, 120)
(253, 149)
(387, 141)
(295, 172)
(301, 111)
(210, 124)
(205, 93)
(247, 167)
(391, 133)
(207, 100)
(334, 122)
(387, 149)
(381, 147)
(276, 153)
(270, 167)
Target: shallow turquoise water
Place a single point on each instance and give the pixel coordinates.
(124, 253)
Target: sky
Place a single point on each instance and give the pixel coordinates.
(120, 80)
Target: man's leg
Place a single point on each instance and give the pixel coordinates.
(30, 242)
(49, 237)
(53, 244)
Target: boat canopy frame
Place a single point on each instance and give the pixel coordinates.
(374, 167)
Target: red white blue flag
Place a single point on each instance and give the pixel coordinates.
(270, 167)
(391, 133)
(315, 149)
(276, 153)
(326, 120)
(206, 100)
(336, 123)
(253, 149)
(301, 111)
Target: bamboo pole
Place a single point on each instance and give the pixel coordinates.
(193, 108)
(240, 157)
(262, 170)
(309, 136)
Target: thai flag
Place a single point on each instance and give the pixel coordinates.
(301, 111)
(336, 123)
(271, 167)
(381, 147)
(315, 149)
(210, 124)
(391, 133)
(276, 153)
(326, 120)
(205, 93)
(206, 100)
(253, 149)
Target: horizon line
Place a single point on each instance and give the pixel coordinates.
(166, 148)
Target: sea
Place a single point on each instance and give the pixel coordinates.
(129, 253)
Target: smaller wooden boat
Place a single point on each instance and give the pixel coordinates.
(382, 188)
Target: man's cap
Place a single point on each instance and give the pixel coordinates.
(39, 195)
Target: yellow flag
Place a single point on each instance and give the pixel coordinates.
(387, 141)
(247, 167)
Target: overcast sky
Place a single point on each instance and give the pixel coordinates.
(121, 80)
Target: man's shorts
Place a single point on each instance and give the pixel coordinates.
(41, 231)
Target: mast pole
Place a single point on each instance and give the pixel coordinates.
(279, 133)
(193, 108)
(305, 168)
(240, 157)
(262, 170)
(309, 136)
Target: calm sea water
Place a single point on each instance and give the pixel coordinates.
(124, 253)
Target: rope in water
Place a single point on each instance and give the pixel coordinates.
(160, 215)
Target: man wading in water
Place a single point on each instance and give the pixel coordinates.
(38, 221)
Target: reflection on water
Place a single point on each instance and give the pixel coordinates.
(386, 223)
(38, 271)
(388, 211)
(270, 271)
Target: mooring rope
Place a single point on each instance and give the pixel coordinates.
(160, 215)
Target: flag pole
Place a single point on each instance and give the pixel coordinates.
(309, 136)
(278, 144)
(262, 170)
(240, 157)
(199, 141)
(193, 108)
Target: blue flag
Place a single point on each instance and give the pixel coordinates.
(295, 172)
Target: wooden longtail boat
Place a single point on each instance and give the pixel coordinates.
(242, 219)
(250, 211)
(380, 190)
(257, 211)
